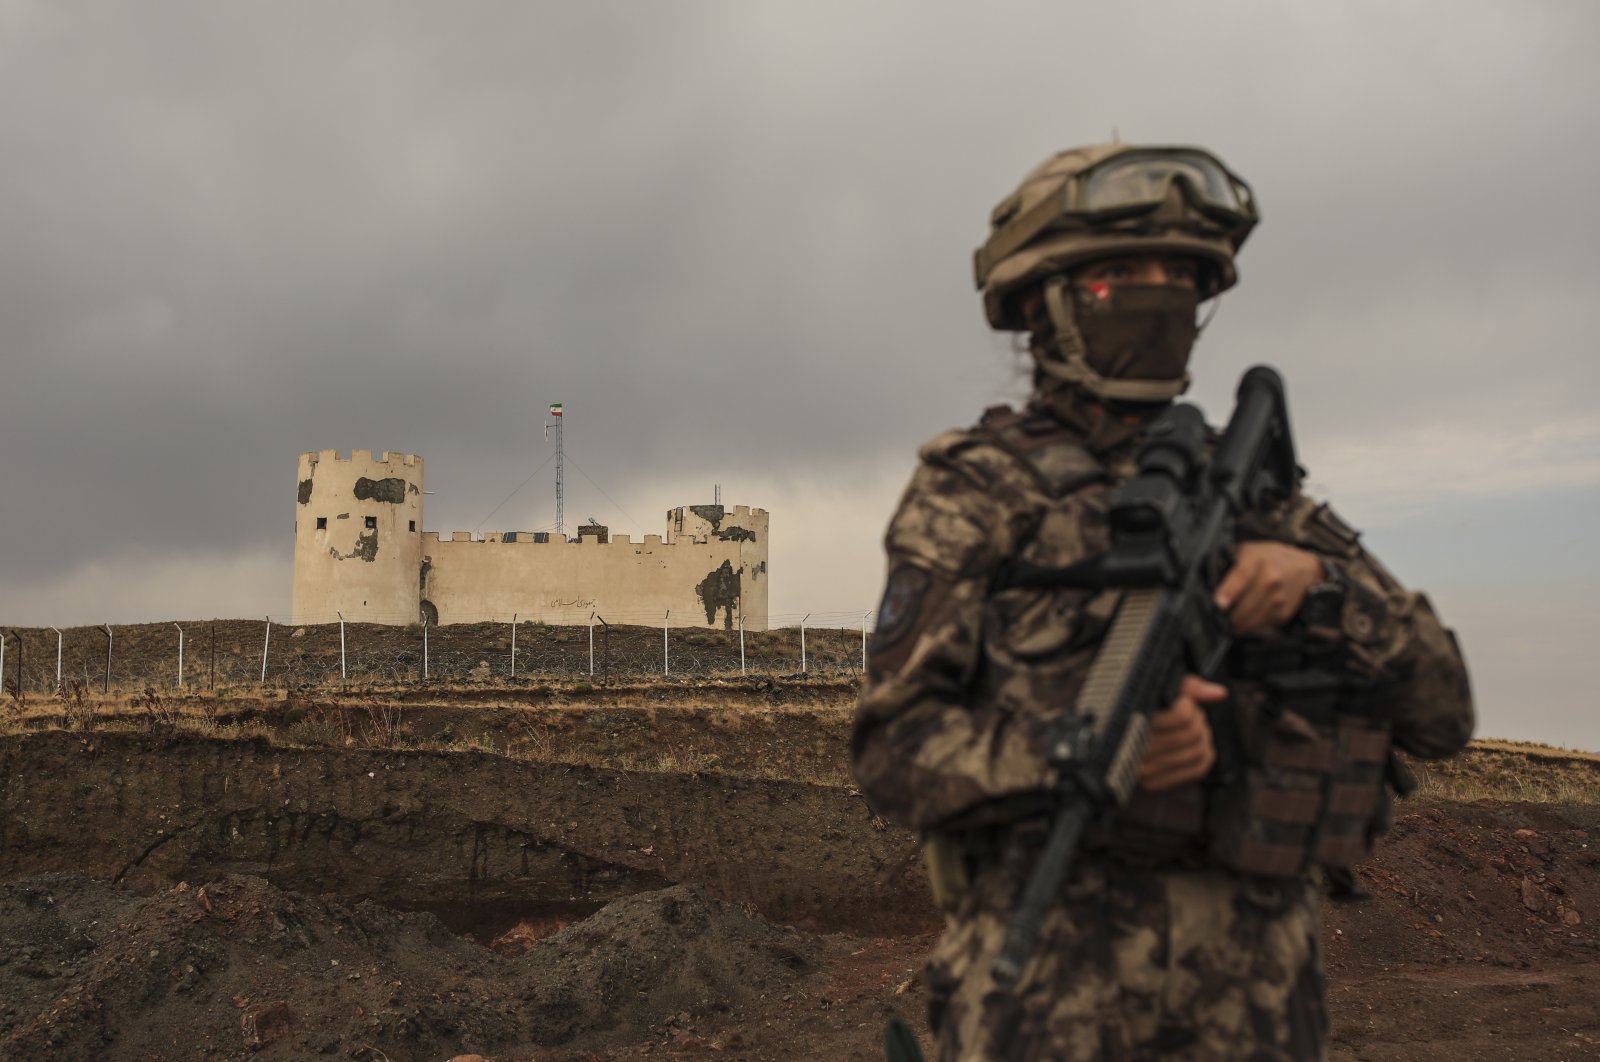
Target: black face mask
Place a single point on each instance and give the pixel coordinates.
(1137, 331)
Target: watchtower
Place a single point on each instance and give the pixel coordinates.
(358, 537)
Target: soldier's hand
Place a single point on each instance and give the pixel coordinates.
(1180, 748)
(1266, 586)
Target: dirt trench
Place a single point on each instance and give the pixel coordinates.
(169, 896)
(476, 838)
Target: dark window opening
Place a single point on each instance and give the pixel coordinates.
(322, 523)
(372, 521)
(413, 525)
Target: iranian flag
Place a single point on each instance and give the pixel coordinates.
(555, 409)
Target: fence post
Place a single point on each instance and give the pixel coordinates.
(20, 644)
(864, 616)
(665, 662)
(591, 641)
(741, 642)
(264, 643)
(211, 683)
(605, 667)
(513, 645)
(3, 658)
(58, 658)
(803, 642)
(424, 649)
(107, 687)
(180, 656)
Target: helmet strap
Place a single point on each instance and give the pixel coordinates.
(1070, 363)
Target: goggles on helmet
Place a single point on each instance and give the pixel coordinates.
(1142, 179)
(1128, 184)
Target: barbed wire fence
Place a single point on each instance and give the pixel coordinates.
(212, 655)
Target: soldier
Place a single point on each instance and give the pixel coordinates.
(1189, 927)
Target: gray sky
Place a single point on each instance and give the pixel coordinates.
(734, 239)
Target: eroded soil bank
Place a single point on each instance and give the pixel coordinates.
(174, 896)
(446, 831)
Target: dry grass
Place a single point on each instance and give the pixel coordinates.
(79, 708)
(160, 711)
(1535, 749)
(383, 723)
(791, 730)
(687, 759)
(1498, 770)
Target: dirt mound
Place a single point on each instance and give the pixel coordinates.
(53, 927)
(237, 968)
(627, 889)
(678, 957)
(1509, 885)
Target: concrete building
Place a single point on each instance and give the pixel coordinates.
(360, 549)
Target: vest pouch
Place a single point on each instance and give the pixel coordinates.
(1312, 791)
(1265, 820)
(1358, 806)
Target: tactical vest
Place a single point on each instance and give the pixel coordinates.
(1301, 773)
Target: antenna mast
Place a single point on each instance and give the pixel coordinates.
(555, 411)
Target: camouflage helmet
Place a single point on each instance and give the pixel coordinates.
(1111, 199)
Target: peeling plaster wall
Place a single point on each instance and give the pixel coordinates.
(391, 490)
(744, 532)
(752, 566)
(717, 522)
(720, 591)
(623, 580)
(368, 573)
(712, 562)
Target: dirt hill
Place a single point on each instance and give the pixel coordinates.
(677, 870)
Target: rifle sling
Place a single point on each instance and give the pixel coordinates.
(1086, 574)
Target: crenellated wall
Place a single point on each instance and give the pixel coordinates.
(708, 570)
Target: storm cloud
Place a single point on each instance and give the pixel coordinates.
(734, 240)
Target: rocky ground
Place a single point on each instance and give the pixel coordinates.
(481, 882)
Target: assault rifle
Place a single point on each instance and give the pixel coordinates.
(1172, 537)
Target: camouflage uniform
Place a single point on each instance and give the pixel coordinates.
(1154, 950)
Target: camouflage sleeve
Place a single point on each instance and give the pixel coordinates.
(924, 751)
(1394, 634)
